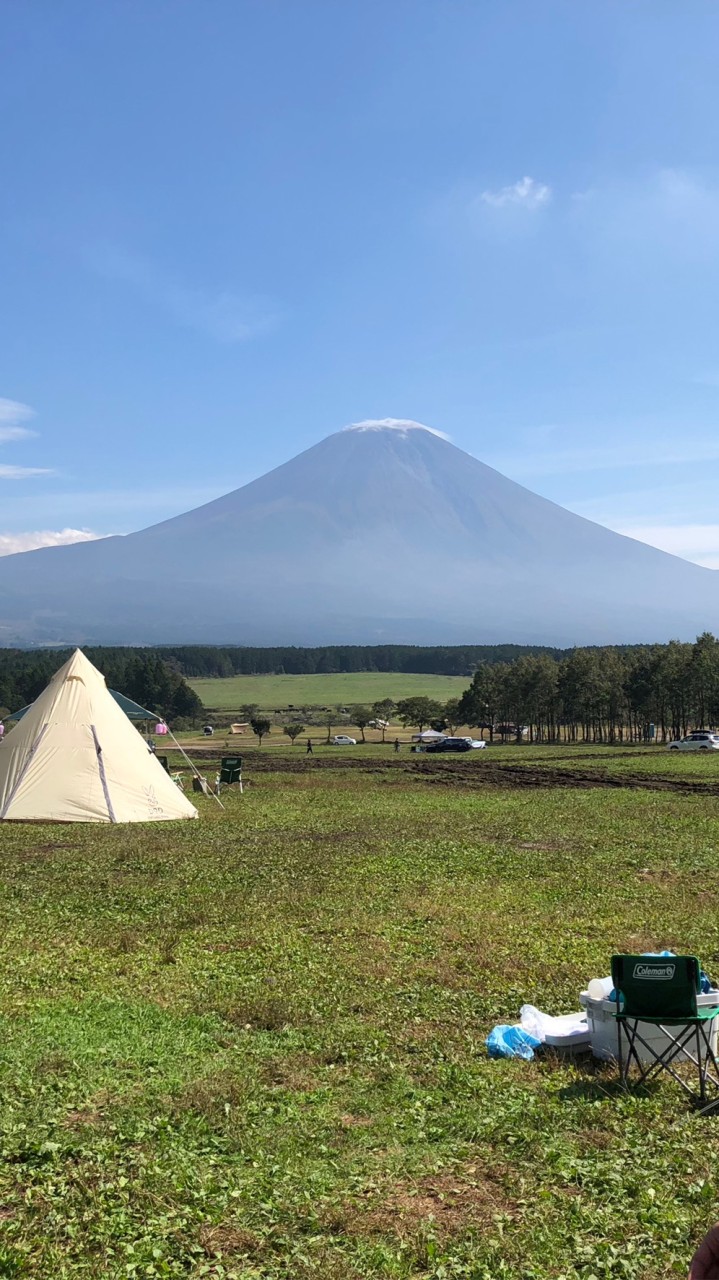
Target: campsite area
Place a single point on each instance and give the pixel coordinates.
(253, 1045)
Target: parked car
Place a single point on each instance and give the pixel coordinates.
(700, 740)
(455, 744)
(341, 740)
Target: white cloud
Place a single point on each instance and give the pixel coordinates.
(12, 542)
(13, 411)
(222, 314)
(394, 424)
(527, 193)
(12, 414)
(8, 472)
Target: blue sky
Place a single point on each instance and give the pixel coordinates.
(228, 229)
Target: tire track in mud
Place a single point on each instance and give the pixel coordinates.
(470, 774)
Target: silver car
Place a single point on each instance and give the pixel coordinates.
(700, 740)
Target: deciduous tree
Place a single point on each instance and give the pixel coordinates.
(260, 727)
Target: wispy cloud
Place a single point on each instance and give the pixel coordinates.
(222, 314)
(10, 543)
(527, 193)
(12, 415)
(697, 542)
(668, 212)
(8, 472)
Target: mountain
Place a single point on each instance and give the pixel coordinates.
(382, 532)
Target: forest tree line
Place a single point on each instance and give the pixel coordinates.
(608, 694)
(448, 660)
(600, 695)
(141, 674)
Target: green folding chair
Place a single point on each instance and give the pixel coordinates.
(662, 991)
(230, 771)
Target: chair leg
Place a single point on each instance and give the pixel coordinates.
(625, 1062)
(702, 1071)
(662, 1061)
(710, 1055)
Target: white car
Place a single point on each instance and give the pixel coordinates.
(701, 740)
(341, 740)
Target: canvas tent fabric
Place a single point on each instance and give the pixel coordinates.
(131, 709)
(75, 757)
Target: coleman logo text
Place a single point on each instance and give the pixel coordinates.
(656, 972)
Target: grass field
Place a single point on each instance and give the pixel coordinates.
(252, 1047)
(270, 692)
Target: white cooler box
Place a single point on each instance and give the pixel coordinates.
(604, 1031)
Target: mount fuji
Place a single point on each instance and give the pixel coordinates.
(384, 531)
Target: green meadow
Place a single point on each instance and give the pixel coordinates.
(366, 687)
(252, 1047)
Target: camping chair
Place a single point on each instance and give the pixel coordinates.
(230, 771)
(662, 991)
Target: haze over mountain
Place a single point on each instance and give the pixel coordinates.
(383, 531)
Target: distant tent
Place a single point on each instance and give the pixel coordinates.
(76, 757)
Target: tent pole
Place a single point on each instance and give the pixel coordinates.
(196, 771)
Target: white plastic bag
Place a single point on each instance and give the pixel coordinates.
(542, 1025)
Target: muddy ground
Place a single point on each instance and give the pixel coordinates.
(470, 772)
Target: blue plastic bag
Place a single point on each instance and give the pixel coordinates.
(511, 1042)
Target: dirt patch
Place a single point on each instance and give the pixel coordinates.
(598, 1139)
(212, 1096)
(476, 772)
(223, 1239)
(448, 1203)
(658, 875)
(356, 1122)
(294, 1074)
(86, 1116)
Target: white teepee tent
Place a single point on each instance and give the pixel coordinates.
(75, 757)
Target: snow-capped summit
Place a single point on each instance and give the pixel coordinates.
(386, 532)
(403, 425)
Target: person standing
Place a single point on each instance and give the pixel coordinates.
(309, 752)
(396, 744)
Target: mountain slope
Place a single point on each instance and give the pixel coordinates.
(374, 533)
